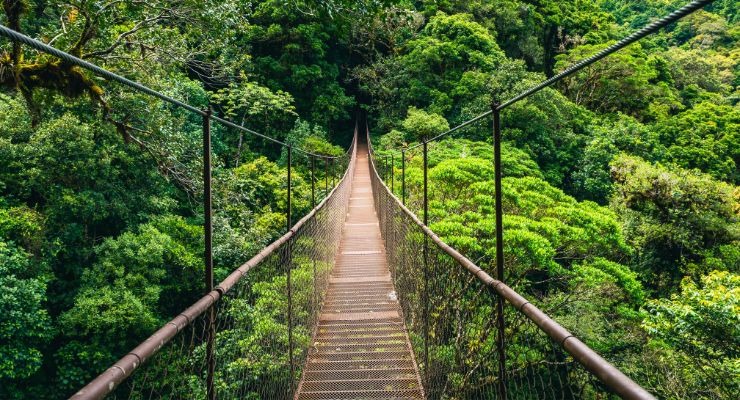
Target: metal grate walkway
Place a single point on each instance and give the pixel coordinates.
(361, 349)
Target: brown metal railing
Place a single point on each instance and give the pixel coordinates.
(445, 305)
(194, 354)
(455, 308)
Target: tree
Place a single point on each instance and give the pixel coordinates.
(141, 279)
(247, 101)
(707, 138)
(422, 125)
(609, 137)
(25, 326)
(672, 217)
(703, 323)
(626, 81)
(429, 73)
(535, 31)
(294, 48)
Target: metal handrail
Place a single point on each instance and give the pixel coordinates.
(609, 375)
(107, 381)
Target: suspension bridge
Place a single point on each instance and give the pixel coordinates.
(370, 303)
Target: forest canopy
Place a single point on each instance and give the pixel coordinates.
(622, 210)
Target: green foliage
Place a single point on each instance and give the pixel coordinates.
(249, 207)
(25, 325)
(515, 162)
(261, 328)
(422, 125)
(551, 130)
(599, 306)
(542, 223)
(600, 271)
(430, 72)
(564, 255)
(672, 217)
(24, 226)
(296, 51)
(100, 187)
(140, 279)
(534, 31)
(248, 100)
(310, 138)
(627, 81)
(609, 138)
(707, 138)
(703, 321)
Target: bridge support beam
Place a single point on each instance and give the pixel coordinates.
(289, 267)
(426, 270)
(403, 177)
(326, 177)
(393, 179)
(313, 182)
(500, 344)
(208, 255)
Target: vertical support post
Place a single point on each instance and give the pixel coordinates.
(392, 209)
(384, 207)
(289, 263)
(385, 170)
(333, 172)
(326, 177)
(500, 343)
(313, 182)
(426, 271)
(208, 255)
(403, 177)
(393, 190)
(313, 253)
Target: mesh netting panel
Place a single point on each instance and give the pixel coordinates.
(262, 325)
(452, 315)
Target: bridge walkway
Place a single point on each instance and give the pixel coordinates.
(361, 348)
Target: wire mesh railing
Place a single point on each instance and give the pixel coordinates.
(200, 352)
(261, 319)
(473, 336)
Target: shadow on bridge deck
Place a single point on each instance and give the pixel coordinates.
(361, 349)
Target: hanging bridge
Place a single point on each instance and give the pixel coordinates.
(359, 299)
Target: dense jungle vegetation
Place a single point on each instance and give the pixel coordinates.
(622, 210)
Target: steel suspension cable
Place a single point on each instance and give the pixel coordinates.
(69, 58)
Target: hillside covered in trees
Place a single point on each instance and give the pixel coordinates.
(621, 197)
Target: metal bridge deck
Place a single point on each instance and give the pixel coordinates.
(361, 349)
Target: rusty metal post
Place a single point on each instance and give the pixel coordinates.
(500, 343)
(288, 209)
(426, 269)
(326, 176)
(333, 172)
(385, 170)
(393, 178)
(313, 182)
(391, 221)
(403, 177)
(289, 262)
(313, 253)
(208, 255)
